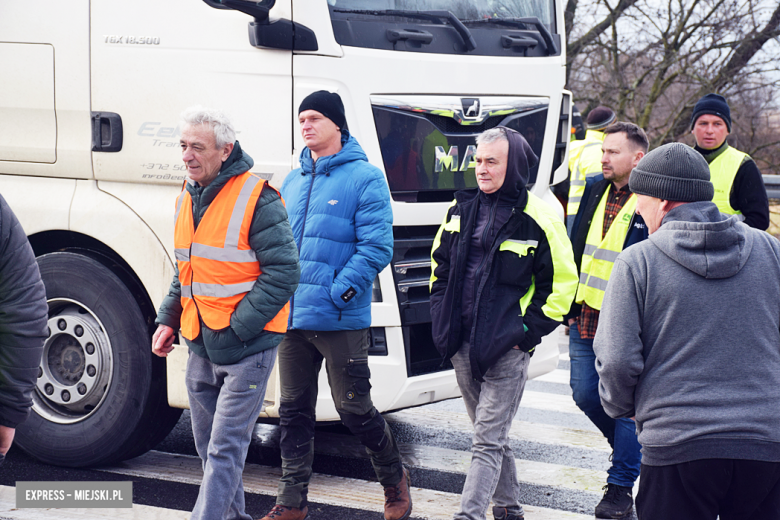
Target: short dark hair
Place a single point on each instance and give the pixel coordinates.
(634, 134)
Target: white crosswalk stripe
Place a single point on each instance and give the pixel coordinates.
(367, 496)
(521, 430)
(556, 376)
(453, 461)
(325, 489)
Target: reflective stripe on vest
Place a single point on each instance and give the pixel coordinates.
(599, 255)
(217, 265)
(723, 170)
(583, 169)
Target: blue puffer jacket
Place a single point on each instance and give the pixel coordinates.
(339, 209)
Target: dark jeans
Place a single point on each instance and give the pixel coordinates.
(708, 488)
(345, 353)
(620, 433)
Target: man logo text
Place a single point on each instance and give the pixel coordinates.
(449, 160)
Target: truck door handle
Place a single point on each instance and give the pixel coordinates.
(106, 132)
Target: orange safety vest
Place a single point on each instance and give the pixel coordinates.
(217, 266)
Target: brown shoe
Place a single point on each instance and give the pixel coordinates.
(398, 499)
(286, 513)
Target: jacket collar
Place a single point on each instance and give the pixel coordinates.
(350, 151)
(469, 196)
(711, 155)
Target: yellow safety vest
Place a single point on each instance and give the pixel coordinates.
(723, 170)
(584, 161)
(599, 256)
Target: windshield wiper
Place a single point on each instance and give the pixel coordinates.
(465, 34)
(552, 48)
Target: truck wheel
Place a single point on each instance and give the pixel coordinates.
(100, 397)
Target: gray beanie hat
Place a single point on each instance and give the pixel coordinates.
(674, 172)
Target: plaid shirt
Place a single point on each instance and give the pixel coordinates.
(616, 199)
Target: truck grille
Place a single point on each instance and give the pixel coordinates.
(428, 142)
(411, 266)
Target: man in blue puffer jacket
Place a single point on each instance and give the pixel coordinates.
(339, 209)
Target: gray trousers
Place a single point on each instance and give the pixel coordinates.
(491, 406)
(225, 401)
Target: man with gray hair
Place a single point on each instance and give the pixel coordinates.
(503, 276)
(688, 343)
(236, 269)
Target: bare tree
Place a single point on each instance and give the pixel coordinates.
(652, 60)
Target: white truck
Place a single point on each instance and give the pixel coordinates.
(90, 96)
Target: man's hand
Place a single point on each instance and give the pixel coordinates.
(162, 341)
(6, 439)
(572, 321)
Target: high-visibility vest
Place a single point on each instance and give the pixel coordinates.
(599, 256)
(723, 170)
(584, 162)
(217, 266)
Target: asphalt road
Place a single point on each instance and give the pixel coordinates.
(562, 462)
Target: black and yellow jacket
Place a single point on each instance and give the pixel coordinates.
(524, 287)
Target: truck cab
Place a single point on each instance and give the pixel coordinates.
(90, 163)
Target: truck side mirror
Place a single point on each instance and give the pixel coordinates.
(280, 34)
(257, 10)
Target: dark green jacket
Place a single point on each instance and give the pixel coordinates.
(23, 318)
(271, 238)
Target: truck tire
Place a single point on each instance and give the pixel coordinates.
(100, 396)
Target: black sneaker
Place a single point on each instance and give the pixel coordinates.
(501, 513)
(618, 502)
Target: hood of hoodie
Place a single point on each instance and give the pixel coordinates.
(520, 160)
(703, 240)
(350, 151)
(519, 163)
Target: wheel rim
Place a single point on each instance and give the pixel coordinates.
(76, 366)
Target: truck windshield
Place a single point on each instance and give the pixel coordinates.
(483, 27)
(463, 9)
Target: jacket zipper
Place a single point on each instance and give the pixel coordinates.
(335, 274)
(510, 229)
(489, 226)
(303, 228)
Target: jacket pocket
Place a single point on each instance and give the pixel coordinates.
(221, 339)
(515, 262)
(359, 375)
(453, 226)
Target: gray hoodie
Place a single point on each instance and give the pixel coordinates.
(688, 340)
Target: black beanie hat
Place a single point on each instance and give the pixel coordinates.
(673, 172)
(713, 104)
(600, 118)
(326, 103)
